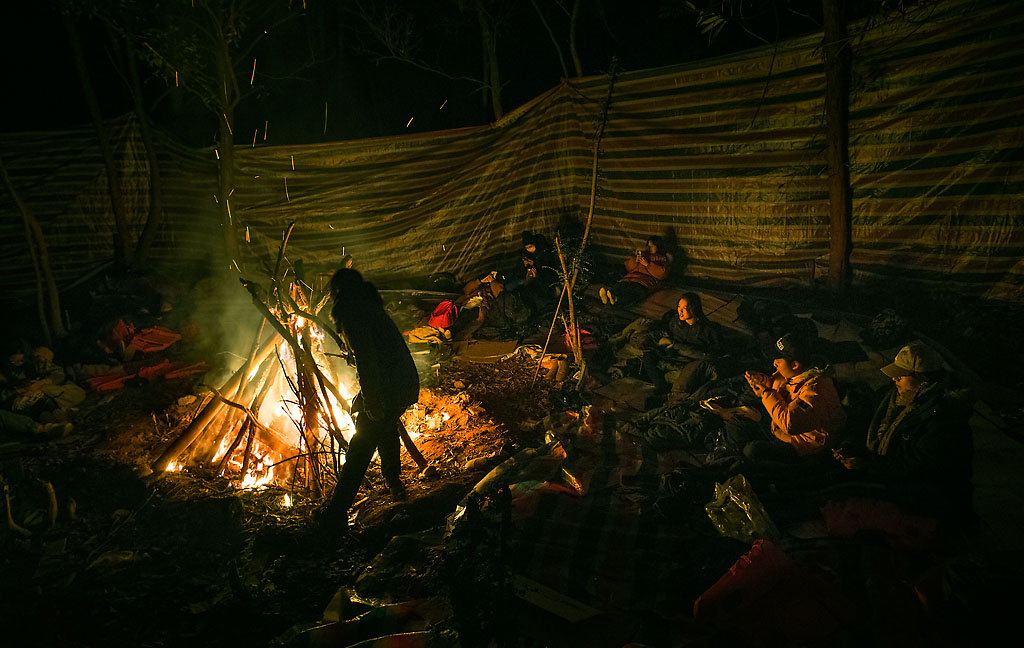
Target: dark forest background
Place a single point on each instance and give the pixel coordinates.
(348, 69)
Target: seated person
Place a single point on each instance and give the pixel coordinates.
(688, 350)
(472, 306)
(538, 280)
(919, 442)
(19, 426)
(801, 401)
(645, 271)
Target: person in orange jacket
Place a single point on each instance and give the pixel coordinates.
(645, 272)
(802, 401)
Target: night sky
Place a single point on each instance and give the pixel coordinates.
(326, 57)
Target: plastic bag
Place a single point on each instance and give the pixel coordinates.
(737, 512)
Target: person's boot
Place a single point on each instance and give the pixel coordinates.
(329, 522)
(398, 491)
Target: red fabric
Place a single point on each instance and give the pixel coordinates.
(118, 376)
(180, 371)
(155, 338)
(122, 332)
(444, 315)
(110, 381)
(846, 518)
(587, 340)
(766, 598)
(155, 371)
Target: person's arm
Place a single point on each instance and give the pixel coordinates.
(702, 341)
(793, 417)
(657, 266)
(361, 339)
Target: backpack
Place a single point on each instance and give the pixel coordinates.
(444, 315)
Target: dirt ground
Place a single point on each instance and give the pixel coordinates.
(189, 559)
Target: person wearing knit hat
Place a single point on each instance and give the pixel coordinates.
(802, 401)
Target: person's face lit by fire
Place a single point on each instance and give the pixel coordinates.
(684, 312)
(787, 368)
(907, 384)
(531, 248)
(652, 247)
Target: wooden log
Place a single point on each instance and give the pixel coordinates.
(410, 447)
(231, 448)
(297, 349)
(248, 447)
(198, 424)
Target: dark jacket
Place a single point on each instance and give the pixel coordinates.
(701, 340)
(929, 452)
(387, 374)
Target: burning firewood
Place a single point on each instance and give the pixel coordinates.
(207, 414)
(298, 349)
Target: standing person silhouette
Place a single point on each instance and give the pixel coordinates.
(388, 384)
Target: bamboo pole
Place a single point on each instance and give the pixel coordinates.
(198, 424)
(248, 448)
(569, 285)
(292, 342)
(554, 318)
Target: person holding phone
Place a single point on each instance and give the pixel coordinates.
(645, 272)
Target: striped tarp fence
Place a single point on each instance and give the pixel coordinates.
(61, 179)
(937, 150)
(725, 156)
(728, 155)
(452, 201)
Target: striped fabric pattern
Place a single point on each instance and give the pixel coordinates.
(726, 157)
(61, 179)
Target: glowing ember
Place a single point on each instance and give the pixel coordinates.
(260, 470)
(287, 500)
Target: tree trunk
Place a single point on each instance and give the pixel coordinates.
(492, 75)
(156, 208)
(121, 255)
(226, 184)
(48, 300)
(576, 63)
(227, 100)
(838, 60)
(551, 35)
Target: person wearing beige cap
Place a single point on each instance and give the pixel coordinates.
(919, 440)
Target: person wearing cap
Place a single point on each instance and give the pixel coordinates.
(801, 400)
(919, 440)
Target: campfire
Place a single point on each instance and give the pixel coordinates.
(284, 415)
